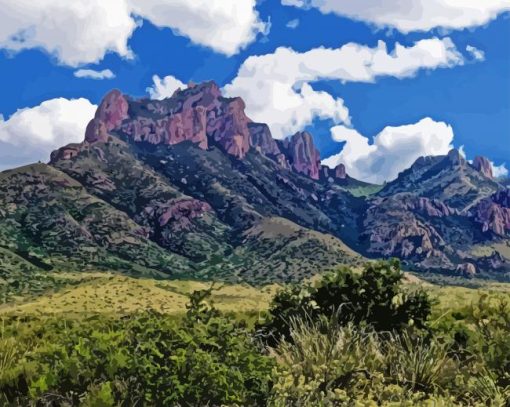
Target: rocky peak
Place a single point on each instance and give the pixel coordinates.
(340, 172)
(198, 114)
(483, 165)
(302, 154)
(455, 158)
(109, 115)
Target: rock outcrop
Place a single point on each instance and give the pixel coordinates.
(301, 153)
(493, 213)
(483, 165)
(261, 139)
(109, 115)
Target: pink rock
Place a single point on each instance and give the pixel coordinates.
(483, 165)
(302, 154)
(109, 115)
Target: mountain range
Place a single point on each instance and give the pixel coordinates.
(189, 186)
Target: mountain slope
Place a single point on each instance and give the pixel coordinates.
(189, 185)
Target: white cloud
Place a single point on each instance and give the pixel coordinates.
(392, 150)
(93, 74)
(499, 170)
(223, 25)
(412, 15)
(276, 87)
(164, 87)
(31, 134)
(76, 32)
(293, 24)
(82, 31)
(476, 53)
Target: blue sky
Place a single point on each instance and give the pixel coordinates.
(470, 92)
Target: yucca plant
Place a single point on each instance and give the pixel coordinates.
(322, 359)
(417, 362)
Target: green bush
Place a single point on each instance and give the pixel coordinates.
(147, 359)
(374, 297)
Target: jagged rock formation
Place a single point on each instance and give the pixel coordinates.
(200, 189)
(483, 165)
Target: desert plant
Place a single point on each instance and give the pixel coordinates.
(374, 297)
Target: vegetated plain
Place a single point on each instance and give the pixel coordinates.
(107, 339)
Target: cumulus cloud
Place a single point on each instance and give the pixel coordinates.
(476, 53)
(164, 87)
(499, 170)
(75, 32)
(83, 31)
(93, 74)
(392, 150)
(223, 25)
(277, 87)
(31, 134)
(412, 15)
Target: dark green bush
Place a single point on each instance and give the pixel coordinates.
(374, 297)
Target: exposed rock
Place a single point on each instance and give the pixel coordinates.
(179, 213)
(466, 269)
(65, 153)
(260, 136)
(494, 213)
(228, 125)
(302, 155)
(340, 171)
(109, 115)
(493, 262)
(430, 207)
(483, 165)
(455, 157)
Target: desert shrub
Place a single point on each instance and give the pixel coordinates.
(326, 364)
(206, 358)
(374, 297)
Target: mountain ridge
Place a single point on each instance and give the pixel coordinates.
(197, 178)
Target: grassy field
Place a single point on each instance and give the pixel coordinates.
(114, 294)
(108, 293)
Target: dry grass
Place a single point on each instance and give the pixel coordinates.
(106, 293)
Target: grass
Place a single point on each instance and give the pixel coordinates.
(113, 294)
(110, 294)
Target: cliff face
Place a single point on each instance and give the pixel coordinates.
(301, 154)
(483, 165)
(493, 213)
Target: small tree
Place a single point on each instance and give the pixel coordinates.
(374, 297)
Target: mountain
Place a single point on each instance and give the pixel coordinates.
(190, 186)
(436, 212)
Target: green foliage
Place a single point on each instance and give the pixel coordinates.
(206, 358)
(374, 297)
(326, 364)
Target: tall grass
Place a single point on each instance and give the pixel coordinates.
(330, 365)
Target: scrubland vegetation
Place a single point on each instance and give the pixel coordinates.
(347, 339)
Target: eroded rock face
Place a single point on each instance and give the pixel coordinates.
(261, 138)
(198, 114)
(109, 115)
(483, 165)
(302, 155)
(391, 230)
(494, 213)
(178, 213)
(429, 207)
(340, 172)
